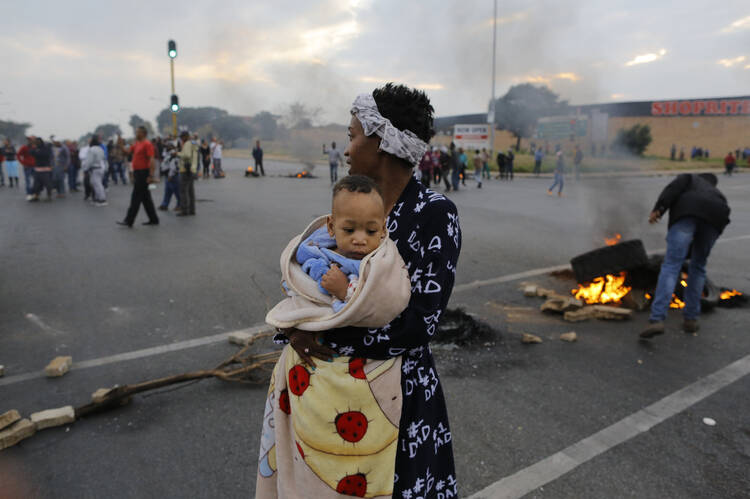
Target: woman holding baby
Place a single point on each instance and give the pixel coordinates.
(355, 406)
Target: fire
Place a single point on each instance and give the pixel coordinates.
(674, 303)
(725, 295)
(608, 289)
(302, 175)
(611, 241)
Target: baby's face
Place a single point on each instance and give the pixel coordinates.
(357, 223)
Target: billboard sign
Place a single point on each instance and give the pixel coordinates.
(471, 136)
(561, 127)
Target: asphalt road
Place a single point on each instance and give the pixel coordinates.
(74, 283)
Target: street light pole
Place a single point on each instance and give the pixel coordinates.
(174, 115)
(491, 116)
(172, 53)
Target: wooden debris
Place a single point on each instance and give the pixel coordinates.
(530, 338)
(9, 418)
(569, 337)
(17, 432)
(58, 366)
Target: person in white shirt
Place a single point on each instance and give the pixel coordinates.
(216, 151)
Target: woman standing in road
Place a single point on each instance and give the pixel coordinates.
(388, 133)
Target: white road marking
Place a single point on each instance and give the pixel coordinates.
(207, 340)
(553, 467)
(42, 325)
(137, 354)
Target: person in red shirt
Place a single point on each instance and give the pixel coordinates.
(729, 163)
(143, 175)
(27, 160)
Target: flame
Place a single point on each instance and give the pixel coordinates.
(250, 169)
(725, 295)
(611, 241)
(674, 303)
(608, 289)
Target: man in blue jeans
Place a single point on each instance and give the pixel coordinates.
(698, 213)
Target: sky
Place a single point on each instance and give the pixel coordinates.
(70, 66)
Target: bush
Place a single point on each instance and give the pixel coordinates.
(633, 140)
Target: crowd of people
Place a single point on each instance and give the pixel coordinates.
(94, 165)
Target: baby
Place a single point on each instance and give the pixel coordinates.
(332, 254)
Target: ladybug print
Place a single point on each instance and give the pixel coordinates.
(284, 404)
(353, 485)
(299, 380)
(357, 368)
(351, 426)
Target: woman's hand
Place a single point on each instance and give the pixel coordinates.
(335, 282)
(308, 345)
(654, 217)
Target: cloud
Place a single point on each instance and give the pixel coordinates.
(646, 58)
(728, 63)
(548, 79)
(738, 25)
(407, 81)
(617, 96)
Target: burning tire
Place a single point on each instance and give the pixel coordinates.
(627, 255)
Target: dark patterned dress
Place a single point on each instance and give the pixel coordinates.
(425, 227)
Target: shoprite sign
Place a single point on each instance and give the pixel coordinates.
(708, 107)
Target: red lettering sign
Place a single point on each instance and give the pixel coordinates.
(712, 107)
(656, 109)
(685, 107)
(701, 107)
(698, 106)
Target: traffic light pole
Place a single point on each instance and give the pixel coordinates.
(174, 115)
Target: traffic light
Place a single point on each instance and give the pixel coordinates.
(175, 103)
(172, 49)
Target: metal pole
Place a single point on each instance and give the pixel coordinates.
(174, 115)
(492, 105)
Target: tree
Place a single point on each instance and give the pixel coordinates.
(107, 131)
(297, 115)
(14, 131)
(633, 140)
(231, 127)
(136, 121)
(265, 125)
(519, 110)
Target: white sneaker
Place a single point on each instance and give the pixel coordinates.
(101, 203)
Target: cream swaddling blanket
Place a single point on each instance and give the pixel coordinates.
(382, 293)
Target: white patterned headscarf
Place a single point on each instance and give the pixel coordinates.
(403, 144)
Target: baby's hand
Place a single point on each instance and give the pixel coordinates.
(335, 282)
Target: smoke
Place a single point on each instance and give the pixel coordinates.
(613, 206)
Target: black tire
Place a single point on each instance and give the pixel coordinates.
(627, 255)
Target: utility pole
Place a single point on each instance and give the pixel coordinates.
(174, 103)
(491, 114)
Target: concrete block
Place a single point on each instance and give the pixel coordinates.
(561, 304)
(99, 395)
(9, 418)
(58, 366)
(583, 314)
(240, 338)
(530, 338)
(20, 430)
(530, 290)
(569, 337)
(612, 313)
(2, 371)
(53, 417)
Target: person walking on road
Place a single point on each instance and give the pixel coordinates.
(258, 157)
(509, 158)
(500, 159)
(172, 184)
(729, 163)
(217, 155)
(577, 159)
(27, 162)
(11, 165)
(204, 153)
(188, 160)
(96, 166)
(334, 159)
(143, 175)
(455, 157)
(698, 214)
(538, 156)
(42, 153)
(559, 174)
(60, 165)
(478, 168)
(75, 166)
(485, 164)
